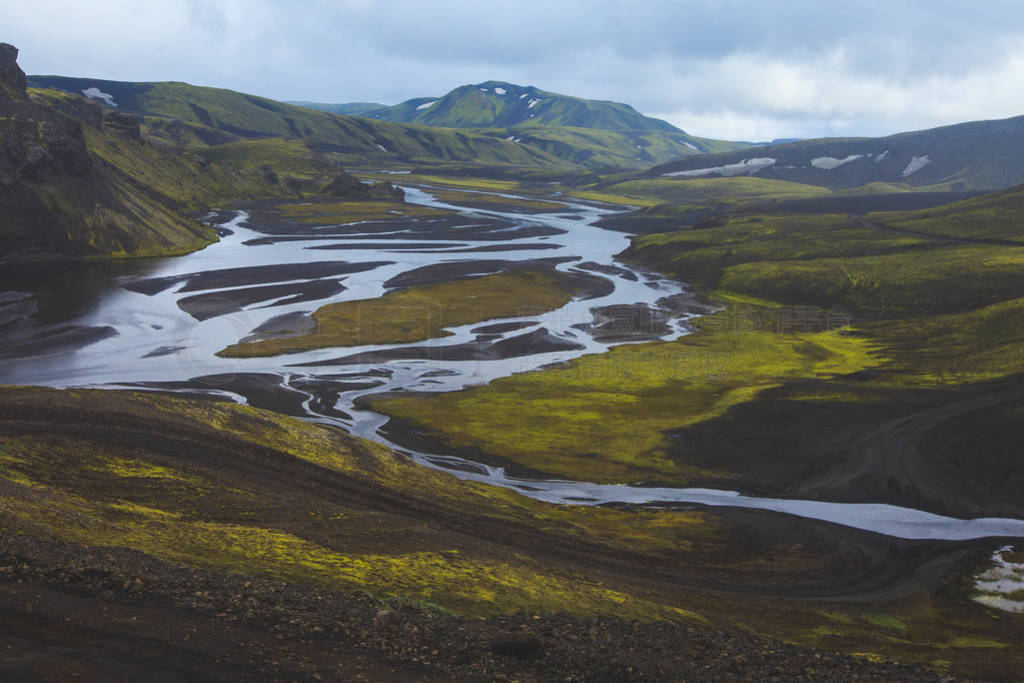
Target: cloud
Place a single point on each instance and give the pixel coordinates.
(729, 68)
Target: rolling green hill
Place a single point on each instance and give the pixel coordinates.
(495, 104)
(979, 155)
(564, 131)
(346, 108)
(582, 131)
(242, 116)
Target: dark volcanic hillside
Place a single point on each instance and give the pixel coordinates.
(59, 194)
(977, 155)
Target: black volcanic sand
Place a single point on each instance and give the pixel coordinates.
(251, 275)
(264, 218)
(67, 611)
(15, 306)
(164, 351)
(538, 341)
(531, 246)
(98, 613)
(502, 328)
(327, 391)
(953, 451)
(57, 340)
(607, 269)
(627, 322)
(415, 247)
(285, 325)
(582, 285)
(640, 322)
(262, 390)
(204, 306)
(460, 270)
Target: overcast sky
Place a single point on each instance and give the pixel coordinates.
(742, 70)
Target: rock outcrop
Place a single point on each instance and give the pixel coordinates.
(58, 195)
(125, 125)
(347, 185)
(37, 143)
(12, 78)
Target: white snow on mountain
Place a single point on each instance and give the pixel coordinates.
(745, 167)
(916, 164)
(97, 94)
(828, 163)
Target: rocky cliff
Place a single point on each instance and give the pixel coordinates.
(12, 78)
(77, 179)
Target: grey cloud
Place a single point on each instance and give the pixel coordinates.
(727, 68)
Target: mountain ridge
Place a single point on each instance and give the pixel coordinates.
(499, 104)
(973, 155)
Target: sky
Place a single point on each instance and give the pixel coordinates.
(730, 69)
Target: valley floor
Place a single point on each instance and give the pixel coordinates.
(143, 532)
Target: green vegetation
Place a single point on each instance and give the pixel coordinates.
(604, 418)
(497, 202)
(598, 148)
(972, 346)
(341, 212)
(705, 256)
(420, 313)
(345, 139)
(965, 156)
(484, 105)
(105, 494)
(704, 190)
(995, 216)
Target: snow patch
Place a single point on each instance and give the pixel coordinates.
(881, 156)
(523, 95)
(533, 103)
(500, 91)
(431, 103)
(1001, 586)
(687, 145)
(382, 148)
(916, 164)
(828, 163)
(745, 167)
(97, 94)
(482, 89)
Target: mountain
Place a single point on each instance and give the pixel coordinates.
(564, 131)
(592, 132)
(187, 114)
(496, 104)
(980, 155)
(347, 108)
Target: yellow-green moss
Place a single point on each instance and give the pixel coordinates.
(421, 313)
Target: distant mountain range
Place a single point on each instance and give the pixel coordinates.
(593, 132)
(982, 155)
(347, 108)
(186, 114)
